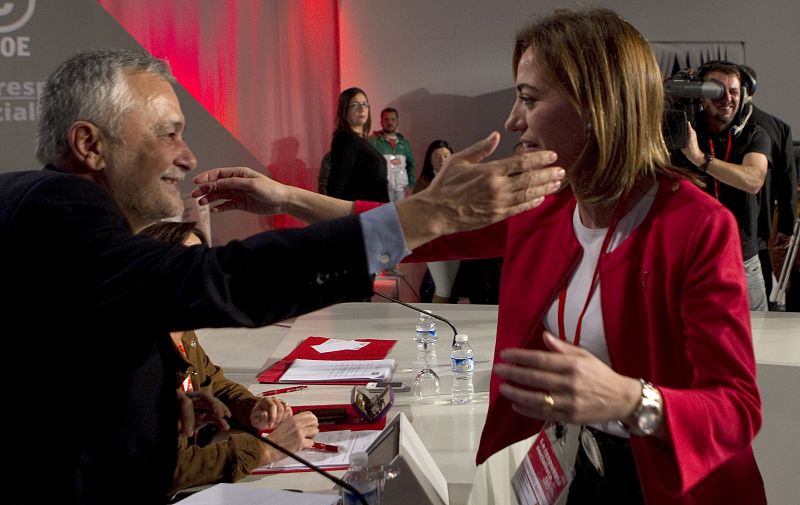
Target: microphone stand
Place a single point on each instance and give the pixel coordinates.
(335, 480)
(435, 316)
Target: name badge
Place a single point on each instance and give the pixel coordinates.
(540, 478)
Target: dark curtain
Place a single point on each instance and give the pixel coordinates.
(675, 56)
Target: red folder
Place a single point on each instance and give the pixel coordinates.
(376, 349)
(339, 417)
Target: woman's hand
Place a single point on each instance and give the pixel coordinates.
(567, 383)
(240, 188)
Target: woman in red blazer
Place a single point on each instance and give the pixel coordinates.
(623, 301)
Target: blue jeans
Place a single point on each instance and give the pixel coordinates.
(756, 289)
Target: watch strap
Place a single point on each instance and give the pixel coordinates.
(647, 417)
(704, 166)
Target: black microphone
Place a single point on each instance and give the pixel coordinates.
(335, 480)
(435, 316)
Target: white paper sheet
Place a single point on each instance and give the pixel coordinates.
(314, 370)
(348, 442)
(225, 494)
(337, 344)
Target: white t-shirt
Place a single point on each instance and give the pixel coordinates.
(593, 336)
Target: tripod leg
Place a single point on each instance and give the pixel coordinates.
(779, 301)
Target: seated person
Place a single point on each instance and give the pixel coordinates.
(228, 456)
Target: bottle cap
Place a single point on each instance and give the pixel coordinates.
(462, 337)
(359, 459)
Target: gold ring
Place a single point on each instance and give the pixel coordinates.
(549, 403)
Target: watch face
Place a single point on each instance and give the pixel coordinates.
(648, 419)
(649, 412)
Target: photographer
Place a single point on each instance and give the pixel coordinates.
(733, 157)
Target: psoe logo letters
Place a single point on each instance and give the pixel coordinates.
(13, 16)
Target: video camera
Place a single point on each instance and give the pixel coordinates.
(684, 93)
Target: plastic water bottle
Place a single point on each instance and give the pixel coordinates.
(426, 329)
(359, 476)
(426, 337)
(463, 364)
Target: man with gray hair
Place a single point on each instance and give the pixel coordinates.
(97, 408)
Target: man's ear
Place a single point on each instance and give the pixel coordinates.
(88, 145)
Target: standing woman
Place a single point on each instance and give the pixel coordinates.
(623, 301)
(358, 171)
(443, 273)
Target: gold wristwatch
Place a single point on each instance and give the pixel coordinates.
(646, 418)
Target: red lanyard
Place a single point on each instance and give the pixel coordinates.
(727, 154)
(562, 296)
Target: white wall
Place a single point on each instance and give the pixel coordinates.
(446, 64)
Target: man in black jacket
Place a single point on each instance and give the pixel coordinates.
(779, 193)
(95, 405)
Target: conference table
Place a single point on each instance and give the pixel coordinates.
(451, 432)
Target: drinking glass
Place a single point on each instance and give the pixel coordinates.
(426, 383)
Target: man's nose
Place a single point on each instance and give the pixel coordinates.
(186, 159)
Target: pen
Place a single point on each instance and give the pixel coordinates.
(281, 391)
(325, 447)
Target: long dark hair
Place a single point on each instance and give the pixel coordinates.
(341, 112)
(426, 176)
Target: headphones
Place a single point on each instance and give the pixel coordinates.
(749, 86)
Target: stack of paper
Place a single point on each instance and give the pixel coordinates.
(311, 370)
(330, 349)
(347, 441)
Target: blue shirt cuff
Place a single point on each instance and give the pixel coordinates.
(384, 242)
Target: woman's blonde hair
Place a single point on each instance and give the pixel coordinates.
(607, 70)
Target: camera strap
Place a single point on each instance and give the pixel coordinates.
(728, 147)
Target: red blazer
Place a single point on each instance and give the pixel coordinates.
(675, 310)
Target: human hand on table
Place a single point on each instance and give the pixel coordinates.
(293, 434)
(268, 412)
